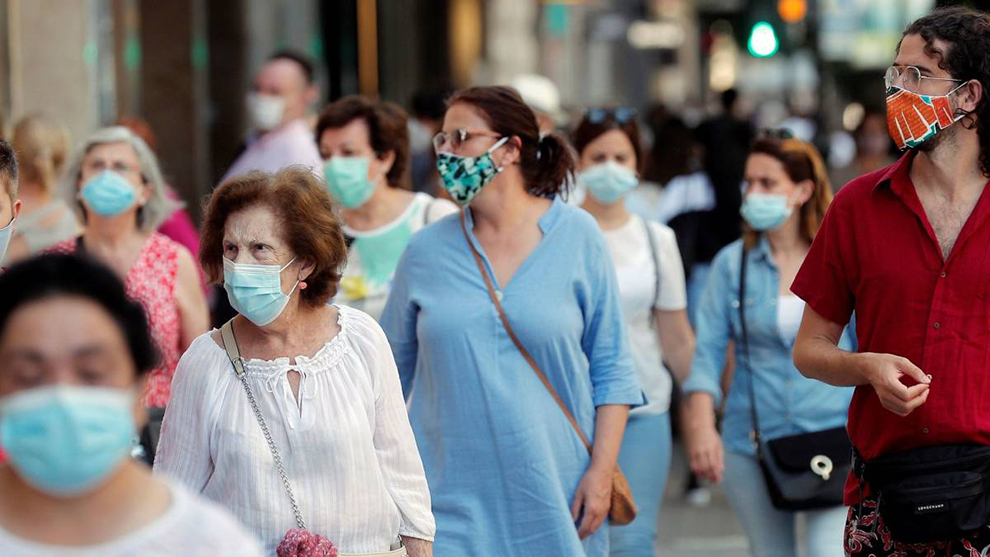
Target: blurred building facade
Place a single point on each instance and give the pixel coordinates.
(184, 65)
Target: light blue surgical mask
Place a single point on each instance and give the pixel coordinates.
(608, 182)
(5, 234)
(766, 211)
(255, 291)
(66, 440)
(347, 180)
(108, 194)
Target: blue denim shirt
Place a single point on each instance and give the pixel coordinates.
(787, 402)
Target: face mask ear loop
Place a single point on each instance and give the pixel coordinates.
(492, 149)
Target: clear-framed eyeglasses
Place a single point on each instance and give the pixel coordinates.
(458, 138)
(909, 78)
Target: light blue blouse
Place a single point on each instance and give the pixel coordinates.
(787, 402)
(501, 459)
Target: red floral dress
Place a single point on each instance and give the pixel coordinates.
(151, 281)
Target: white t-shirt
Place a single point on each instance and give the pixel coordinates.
(790, 310)
(374, 254)
(638, 289)
(191, 527)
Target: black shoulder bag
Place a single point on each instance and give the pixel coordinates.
(804, 471)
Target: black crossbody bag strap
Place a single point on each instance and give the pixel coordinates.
(755, 433)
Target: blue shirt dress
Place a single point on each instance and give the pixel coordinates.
(501, 459)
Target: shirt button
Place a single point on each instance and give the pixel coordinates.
(942, 275)
(925, 431)
(936, 325)
(498, 296)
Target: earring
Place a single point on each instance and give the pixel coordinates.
(302, 285)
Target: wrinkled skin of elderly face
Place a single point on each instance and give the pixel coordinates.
(255, 236)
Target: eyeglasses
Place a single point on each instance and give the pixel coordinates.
(458, 138)
(909, 78)
(622, 114)
(98, 166)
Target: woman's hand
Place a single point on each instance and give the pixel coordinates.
(706, 454)
(594, 496)
(416, 547)
(704, 445)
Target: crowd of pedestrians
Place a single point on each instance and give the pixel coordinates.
(486, 359)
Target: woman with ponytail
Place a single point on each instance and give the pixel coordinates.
(787, 193)
(508, 473)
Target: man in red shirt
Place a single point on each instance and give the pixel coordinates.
(906, 248)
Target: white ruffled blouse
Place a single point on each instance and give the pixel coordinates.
(347, 445)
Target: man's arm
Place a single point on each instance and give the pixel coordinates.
(817, 356)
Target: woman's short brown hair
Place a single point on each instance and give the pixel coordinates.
(388, 129)
(309, 225)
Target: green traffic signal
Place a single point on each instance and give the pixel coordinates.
(762, 40)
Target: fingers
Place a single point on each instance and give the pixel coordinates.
(903, 408)
(576, 505)
(594, 517)
(912, 371)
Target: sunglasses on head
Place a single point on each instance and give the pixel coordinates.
(622, 114)
(775, 133)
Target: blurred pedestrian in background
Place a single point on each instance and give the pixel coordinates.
(178, 226)
(428, 107)
(77, 353)
(276, 106)
(10, 205)
(336, 451)
(873, 149)
(787, 193)
(508, 473)
(365, 147)
(654, 302)
(42, 147)
(115, 186)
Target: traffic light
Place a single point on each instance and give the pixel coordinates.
(762, 41)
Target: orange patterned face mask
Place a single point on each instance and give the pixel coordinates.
(913, 119)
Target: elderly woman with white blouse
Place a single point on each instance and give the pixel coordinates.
(322, 377)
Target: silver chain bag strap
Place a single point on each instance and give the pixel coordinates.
(230, 344)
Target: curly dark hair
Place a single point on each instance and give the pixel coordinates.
(967, 33)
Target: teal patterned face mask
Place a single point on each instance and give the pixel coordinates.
(463, 177)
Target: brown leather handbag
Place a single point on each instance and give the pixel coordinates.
(623, 508)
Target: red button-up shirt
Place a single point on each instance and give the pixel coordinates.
(876, 253)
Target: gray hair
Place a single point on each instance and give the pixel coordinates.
(158, 207)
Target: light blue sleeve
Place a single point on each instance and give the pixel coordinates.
(398, 320)
(714, 330)
(613, 377)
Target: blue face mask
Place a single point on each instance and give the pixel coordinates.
(65, 440)
(608, 182)
(766, 211)
(463, 177)
(5, 234)
(347, 180)
(108, 194)
(255, 291)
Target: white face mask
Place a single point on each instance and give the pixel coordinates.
(265, 111)
(5, 235)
